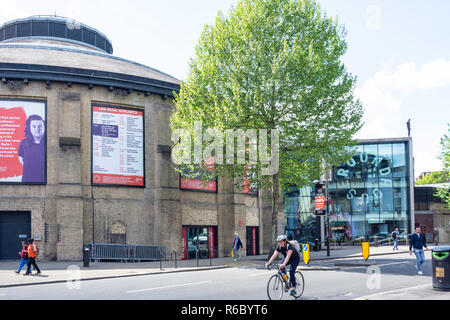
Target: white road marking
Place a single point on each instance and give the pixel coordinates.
(389, 292)
(259, 274)
(173, 286)
(390, 264)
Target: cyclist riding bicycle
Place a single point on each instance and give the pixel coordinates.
(291, 257)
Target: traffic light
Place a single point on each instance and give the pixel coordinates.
(320, 199)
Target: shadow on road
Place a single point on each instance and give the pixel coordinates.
(405, 267)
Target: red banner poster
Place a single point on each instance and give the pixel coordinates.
(197, 183)
(22, 142)
(249, 188)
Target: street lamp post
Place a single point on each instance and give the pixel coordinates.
(328, 220)
(321, 207)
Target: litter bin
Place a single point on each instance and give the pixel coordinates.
(316, 245)
(441, 267)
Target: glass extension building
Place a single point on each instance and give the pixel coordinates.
(369, 196)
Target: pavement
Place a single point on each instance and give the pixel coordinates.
(419, 292)
(340, 257)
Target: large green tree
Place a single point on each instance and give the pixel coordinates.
(444, 192)
(273, 64)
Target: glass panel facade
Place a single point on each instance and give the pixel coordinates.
(300, 218)
(369, 196)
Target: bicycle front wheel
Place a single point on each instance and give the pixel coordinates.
(275, 288)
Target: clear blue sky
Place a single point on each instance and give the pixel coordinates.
(399, 50)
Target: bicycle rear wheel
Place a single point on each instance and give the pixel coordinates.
(300, 284)
(275, 288)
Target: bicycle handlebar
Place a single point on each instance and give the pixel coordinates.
(275, 264)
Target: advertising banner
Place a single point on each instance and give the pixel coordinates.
(197, 184)
(249, 187)
(117, 146)
(23, 142)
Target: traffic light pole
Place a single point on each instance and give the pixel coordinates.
(328, 222)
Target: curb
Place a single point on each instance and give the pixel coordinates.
(313, 268)
(113, 277)
(356, 264)
(343, 257)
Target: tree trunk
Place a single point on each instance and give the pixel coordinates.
(275, 206)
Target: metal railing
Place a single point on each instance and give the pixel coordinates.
(126, 252)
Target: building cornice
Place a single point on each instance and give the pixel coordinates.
(110, 80)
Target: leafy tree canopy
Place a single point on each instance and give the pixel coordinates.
(273, 64)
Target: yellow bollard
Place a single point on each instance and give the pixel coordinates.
(366, 250)
(306, 253)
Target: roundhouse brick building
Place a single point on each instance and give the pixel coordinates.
(85, 153)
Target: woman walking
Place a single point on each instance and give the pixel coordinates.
(23, 257)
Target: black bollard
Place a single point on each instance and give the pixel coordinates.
(86, 256)
(160, 259)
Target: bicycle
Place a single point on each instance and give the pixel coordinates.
(278, 285)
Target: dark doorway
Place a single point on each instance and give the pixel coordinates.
(201, 241)
(252, 241)
(15, 227)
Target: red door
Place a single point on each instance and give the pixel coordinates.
(184, 243)
(212, 242)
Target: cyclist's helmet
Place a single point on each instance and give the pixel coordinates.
(282, 237)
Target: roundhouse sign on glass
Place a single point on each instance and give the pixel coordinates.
(368, 197)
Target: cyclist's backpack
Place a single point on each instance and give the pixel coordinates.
(295, 244)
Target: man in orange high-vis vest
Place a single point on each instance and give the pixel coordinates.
(32, 254)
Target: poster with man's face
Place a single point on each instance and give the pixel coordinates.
(23, 142)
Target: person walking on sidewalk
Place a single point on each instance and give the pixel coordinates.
(237, 244)
(436, 236)
(395, 235)
(32, 255)
(23, 257)
(418, 242)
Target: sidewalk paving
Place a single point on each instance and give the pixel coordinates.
(420, 292)
(58, 272)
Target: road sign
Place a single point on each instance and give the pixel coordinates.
(320, 201)
(365, 250)
(306, 253)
